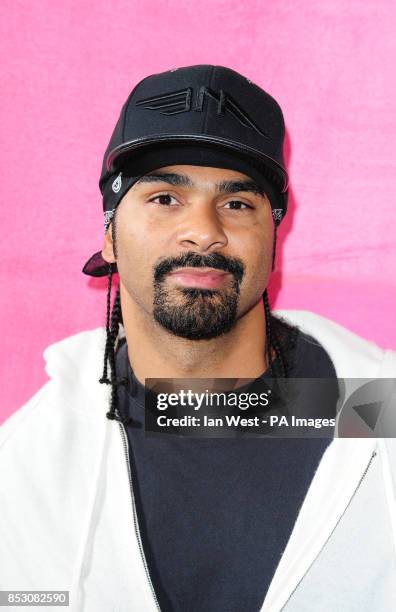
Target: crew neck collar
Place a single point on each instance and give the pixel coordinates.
(136, 390)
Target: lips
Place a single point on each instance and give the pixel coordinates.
(207, 278)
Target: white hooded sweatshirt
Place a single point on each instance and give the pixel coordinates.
(68, 519)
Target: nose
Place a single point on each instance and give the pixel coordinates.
(202, 230)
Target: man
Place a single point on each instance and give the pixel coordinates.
(194, 188)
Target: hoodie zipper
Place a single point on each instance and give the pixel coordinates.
(340, 517)
(134, 512)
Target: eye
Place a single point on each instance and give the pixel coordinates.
(237, 205)
(165, 197)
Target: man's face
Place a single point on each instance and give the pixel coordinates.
(193, 248)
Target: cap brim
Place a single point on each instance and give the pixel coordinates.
(97, 266)
(117, 155)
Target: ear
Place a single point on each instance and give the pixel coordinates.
(108, 246)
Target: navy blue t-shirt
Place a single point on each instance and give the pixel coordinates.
(215, 514)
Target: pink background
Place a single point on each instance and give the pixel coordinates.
(68, 67)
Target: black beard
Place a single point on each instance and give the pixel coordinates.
(201, 314)
(205, 313)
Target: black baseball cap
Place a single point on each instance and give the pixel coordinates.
(203, 115)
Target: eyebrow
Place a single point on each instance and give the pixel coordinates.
(183, 180)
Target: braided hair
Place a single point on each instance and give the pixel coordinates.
(113, 320)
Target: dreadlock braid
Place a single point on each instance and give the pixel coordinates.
(274, 250)
(104, 378)
(113, 320)
(267, 331)
(272, 341)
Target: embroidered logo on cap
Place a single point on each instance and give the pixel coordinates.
(181, 101)
(116, 185)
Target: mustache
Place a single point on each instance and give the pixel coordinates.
(190, 259)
